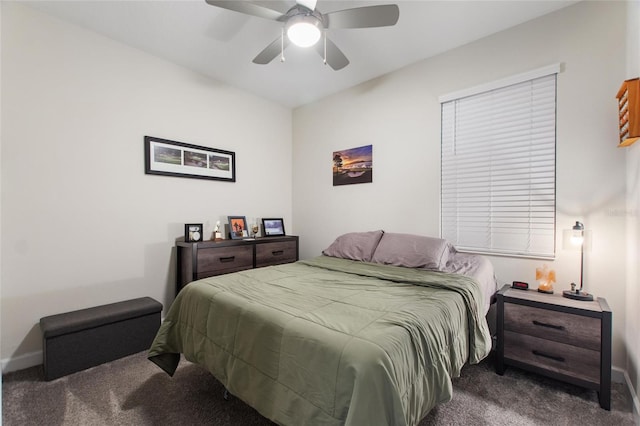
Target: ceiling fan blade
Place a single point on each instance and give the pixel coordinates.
(364, 17)
(271, 51)
(309, 4)
(335, 57)
(247, 8)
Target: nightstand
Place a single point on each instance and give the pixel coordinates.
(568, 340)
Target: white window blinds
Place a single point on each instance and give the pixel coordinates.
(498, 169)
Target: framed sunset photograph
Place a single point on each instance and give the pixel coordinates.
(354, 165)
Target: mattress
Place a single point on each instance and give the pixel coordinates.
(477, 267)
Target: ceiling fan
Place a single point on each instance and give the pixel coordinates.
(304, 25)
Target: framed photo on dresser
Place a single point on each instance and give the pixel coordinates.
(238, 227)
(273, 227)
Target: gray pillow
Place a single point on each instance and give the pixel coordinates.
(412, 251)
(355, 245)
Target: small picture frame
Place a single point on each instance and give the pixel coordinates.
(238, 227)
(193, 232)
(273, 227)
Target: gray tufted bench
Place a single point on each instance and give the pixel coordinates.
(77, 340)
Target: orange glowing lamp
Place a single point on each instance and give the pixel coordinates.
(546, 277)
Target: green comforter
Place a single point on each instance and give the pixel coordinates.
(329, 341)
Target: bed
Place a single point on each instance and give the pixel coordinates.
(370, 332)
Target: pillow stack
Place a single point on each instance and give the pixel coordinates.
(407, 250)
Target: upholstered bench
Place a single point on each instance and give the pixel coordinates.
(77, 340)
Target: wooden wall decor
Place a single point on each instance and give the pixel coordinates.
(629, 111)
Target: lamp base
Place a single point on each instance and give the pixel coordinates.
(572, 294)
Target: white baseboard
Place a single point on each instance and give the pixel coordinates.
(21, 362)
(634, 399)
(619, 375)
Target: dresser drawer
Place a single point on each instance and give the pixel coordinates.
(558, 357)
(276, 253)
(222, 260)
(560, 327)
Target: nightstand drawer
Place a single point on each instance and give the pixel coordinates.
(560, 327)
(276, 253)
(216, 261)
(558, 357)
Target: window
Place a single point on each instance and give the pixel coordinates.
(498, 166)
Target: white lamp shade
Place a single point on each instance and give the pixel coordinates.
(577, 237)
(303, 30)
(572, 243)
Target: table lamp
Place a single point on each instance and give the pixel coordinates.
(577, 238)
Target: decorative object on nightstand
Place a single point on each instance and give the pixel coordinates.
(577, 239)
(546, 278)
(565, 339)
(629, 112)
(193, 232)
(520, 285)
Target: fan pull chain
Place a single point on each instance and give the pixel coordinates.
(324, 33)
(282, 45)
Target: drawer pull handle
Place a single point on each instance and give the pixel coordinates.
(542, 324)
(553, 357)
(277, 252)
(227, 259)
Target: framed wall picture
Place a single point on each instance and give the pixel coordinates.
(353, 165)
(193, 232)
(171, 158)
(273, 227)
(238, 227)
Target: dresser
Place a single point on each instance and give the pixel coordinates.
(208, 258)
(568, 340)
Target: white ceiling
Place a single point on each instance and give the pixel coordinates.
(222, 44)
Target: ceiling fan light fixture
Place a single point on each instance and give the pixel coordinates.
(304, 30)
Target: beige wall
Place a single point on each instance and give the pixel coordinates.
(399, 115)
(632, 213)
(82, 225)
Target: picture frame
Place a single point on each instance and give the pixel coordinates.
(273, 227)
(238, 227)
(354, 165)
(193, 232)
(171, 158)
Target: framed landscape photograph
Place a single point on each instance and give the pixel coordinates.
(238, 227)
(171, 158)
(273, 227)
(354, 165)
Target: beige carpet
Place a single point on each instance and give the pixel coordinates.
(134, 391)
